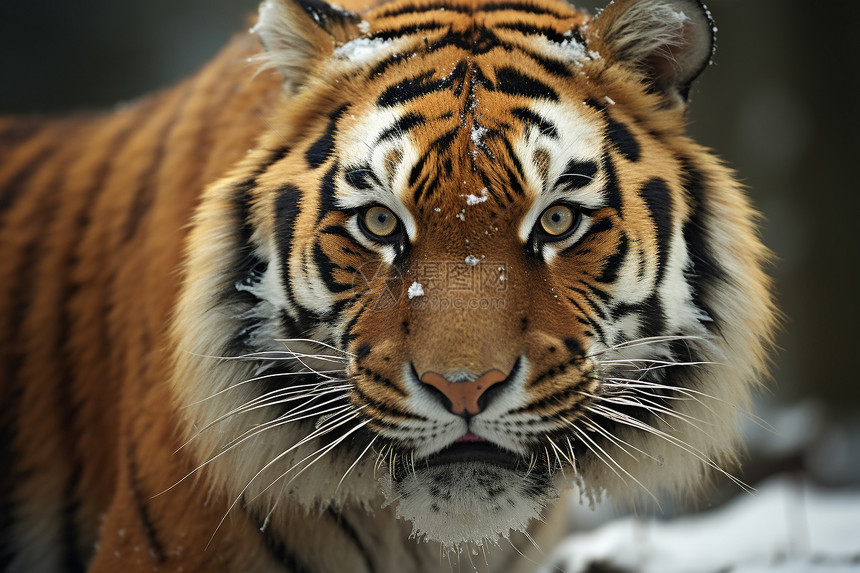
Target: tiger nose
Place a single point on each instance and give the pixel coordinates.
(463, 398)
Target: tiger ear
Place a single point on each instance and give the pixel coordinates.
(295, 34)
(670, 41)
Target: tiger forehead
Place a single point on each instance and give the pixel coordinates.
(408, 149)
(466, 18)
(404, 49)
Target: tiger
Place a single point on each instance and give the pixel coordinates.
(371, 291)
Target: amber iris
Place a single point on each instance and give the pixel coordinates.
(557, 220)
(380, 221)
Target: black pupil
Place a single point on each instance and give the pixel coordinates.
(556, 217)
(382, 217)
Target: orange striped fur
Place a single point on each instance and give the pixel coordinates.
(166, 264)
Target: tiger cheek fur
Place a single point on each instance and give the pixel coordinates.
(469, 257)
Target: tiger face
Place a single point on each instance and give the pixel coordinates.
(475, 260)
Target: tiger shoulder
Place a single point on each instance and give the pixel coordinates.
(371, 291)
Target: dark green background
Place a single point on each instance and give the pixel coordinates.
(780, 104)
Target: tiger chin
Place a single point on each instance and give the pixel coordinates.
(377, 272)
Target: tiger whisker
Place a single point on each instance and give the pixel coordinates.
(248, 434)
(280, 355)
(653, 408)
(313, 435)
(532, 465)
(558, 452)
(658, 363)
(572, 455)
(588, 423)
(312, 341)
(265, 377)
(255, 405)
(692, 450)
(642, 342)
(319, 453)
(281, 421)
(355, 463)
(283, 397)
(585, 436)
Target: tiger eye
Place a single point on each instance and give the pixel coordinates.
(380, 221)
(557, 220)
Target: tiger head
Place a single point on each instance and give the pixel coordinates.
(475, 259)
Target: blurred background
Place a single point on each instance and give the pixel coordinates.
(781, 104)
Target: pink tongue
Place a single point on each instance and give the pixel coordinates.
(470, 437)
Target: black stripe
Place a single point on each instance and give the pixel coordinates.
(427, 185)
(144, 192)
(511, 81)
(445, 140)
(609, 273)
(348, 335)
(343, 232)
(383, 65)
(360, 177)
(328, 195)
(319, 152)
(531, 30)
(551, 66)
(619, 134)
(402, 126)
(276, 155)
(706, 275)
(419, 86)
(385, 409)
(577, 174)
(140, 501)
(601, 226)
(326, 269)
(475, 41)
(406, 30)
(21, 294)
(653, 319)
(531, 118)
(381, 380)
(326, 15)
(658, 199)
(520, 173)
(348, 530)
(598, 310)
(594, 323)
(613, 192)
(11, 190)
(521, 7)
(414, 9)
(287, 210)
(416, 169)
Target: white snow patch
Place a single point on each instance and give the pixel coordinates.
(472, 260)
(362, 50)
(477, 135)
(784, 526)
(415, 290)
(475, 199)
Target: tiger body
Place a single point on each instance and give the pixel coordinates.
(211, 363)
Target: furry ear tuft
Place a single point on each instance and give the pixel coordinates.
(297, 33)
(671, 41)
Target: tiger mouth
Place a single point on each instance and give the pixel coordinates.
(462, 452)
